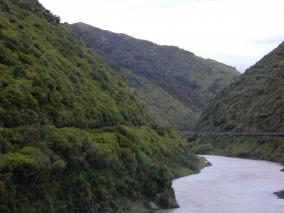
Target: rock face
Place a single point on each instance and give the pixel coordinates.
(174, 84)
(280, 194)
(166, 199)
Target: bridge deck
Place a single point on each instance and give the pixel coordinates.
(276, 134)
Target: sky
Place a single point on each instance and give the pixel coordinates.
(235, 32)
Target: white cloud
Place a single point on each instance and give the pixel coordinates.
(233, 32)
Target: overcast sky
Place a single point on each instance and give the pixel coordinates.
(236, 32)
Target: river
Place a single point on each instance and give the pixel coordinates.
(231, 185)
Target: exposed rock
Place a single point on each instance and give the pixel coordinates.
(166, 199)
(207, 163)
(279, 194)
(204, 161)
(153, 206)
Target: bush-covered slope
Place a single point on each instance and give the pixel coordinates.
(44, 168)
(255, 103)
(48, 76)
(183, 81)
(73, 137)
(163, 108)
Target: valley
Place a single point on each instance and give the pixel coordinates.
(101, 122)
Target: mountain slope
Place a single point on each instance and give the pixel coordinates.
(183, 81)
(255, 103)
(73, 137)
(163, 108)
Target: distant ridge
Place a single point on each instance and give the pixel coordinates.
(174, 84)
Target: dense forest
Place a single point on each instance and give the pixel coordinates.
(73, 136)
(174, 84)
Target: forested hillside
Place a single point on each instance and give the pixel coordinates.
(174, 84)
(255, 103)
(73, 136)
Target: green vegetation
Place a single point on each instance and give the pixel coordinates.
(48, 76)
(73, 136)
(163, 108)
(255, 103)
(262, 148)
(174, 84)
(74, 170)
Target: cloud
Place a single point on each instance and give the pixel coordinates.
(233, 32)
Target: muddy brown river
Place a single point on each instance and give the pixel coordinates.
(231, 185)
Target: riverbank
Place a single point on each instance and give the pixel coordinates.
(268, 148)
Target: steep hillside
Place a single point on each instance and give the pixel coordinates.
(164, 77)
(255, 103)
(73, 137)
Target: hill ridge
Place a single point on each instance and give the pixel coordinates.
(254, 103)
(177, 75)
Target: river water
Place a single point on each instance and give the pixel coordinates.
(231, 185)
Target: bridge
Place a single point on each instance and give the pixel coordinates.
(254, 134)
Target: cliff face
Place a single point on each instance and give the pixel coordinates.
(174, 84)
(73, 136)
